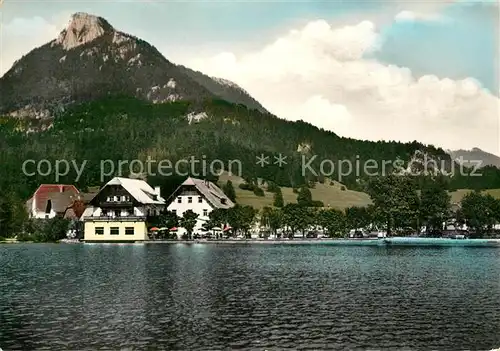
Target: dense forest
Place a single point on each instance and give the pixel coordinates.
(123, 128)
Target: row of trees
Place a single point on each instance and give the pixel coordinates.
(480, 212)
(14, 221)
(405, 202)
(401, 204)
(239, 218)
(45, 230)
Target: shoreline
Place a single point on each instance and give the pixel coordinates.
(387, 242)
(394, 241)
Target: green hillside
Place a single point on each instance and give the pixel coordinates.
(456, 196)
(330, 193)
(122, 128)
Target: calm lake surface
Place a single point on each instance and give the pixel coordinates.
(262, 297)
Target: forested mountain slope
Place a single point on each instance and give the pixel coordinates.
(95, 95)
(90, 59)
(126, 128)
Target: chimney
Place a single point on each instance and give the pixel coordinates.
(61, 188)
(157, 190)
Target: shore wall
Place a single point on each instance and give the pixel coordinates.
(388, 242)
(347, 242)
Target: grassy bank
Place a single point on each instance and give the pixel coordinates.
(331, 193)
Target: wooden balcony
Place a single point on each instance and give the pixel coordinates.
(189, 193)
(114, 204)
(115, 218)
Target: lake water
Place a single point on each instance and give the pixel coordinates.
(261, 297)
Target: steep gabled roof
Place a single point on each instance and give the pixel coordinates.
(212, 193)
(61, 195)
(61, 201)
(87, 197)
(138, 189)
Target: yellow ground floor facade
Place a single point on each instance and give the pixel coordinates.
(115, 231)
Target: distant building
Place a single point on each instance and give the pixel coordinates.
(201, 197)
(51, 200)
(118, 211)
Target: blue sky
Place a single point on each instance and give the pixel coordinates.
(434, 51)
(466, 46)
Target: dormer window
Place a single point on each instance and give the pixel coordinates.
(49, 207)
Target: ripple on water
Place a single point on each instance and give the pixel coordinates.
(248, 297)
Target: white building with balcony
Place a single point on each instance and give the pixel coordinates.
(201, 197)
(119, 210)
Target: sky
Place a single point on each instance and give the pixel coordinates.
(369, 69)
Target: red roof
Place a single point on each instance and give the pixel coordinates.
(48, 191)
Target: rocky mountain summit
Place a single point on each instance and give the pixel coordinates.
(107, 89)
(82, 29)
(91, 59)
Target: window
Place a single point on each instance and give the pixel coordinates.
(174, 212)
(223, 201)
(116, 198)
(99, 230)
(205, 212)
(190, 200)
(179, 199)
(117, 213)
(104, 213)
(129, 230)
(124, 198)
(200, 199)
(108, 199)
(114, 231)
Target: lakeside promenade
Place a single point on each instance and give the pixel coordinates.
(394, 241)
(387, 242)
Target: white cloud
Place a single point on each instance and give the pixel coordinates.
(320, 74)
(411, 16)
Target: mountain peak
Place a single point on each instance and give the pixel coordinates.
(81, 29)
(90, 60)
